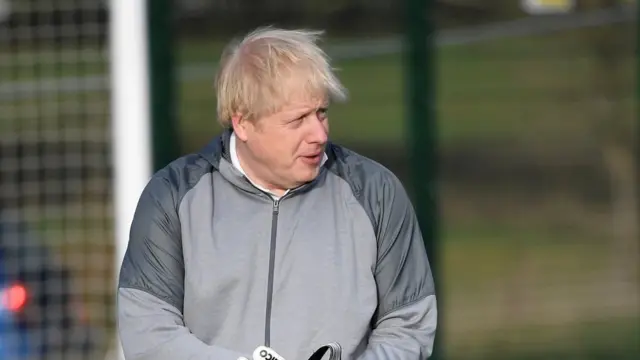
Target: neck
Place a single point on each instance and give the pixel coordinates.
(252, 170)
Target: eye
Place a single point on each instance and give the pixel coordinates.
(321, 113)
(297, 121)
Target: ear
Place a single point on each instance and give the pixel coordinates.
(240, 126)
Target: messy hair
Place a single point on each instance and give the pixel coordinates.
(260, 73)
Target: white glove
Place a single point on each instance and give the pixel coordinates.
(264, 353)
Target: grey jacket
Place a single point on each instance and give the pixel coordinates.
(216, 267)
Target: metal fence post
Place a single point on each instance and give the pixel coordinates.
(420, 81)
(637, 139)
(164, 128)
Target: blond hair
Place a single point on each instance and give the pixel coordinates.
(254, 73)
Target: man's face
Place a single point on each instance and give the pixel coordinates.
(288, 147)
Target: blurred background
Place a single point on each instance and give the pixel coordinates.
(536, 120)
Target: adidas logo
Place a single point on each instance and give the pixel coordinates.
(267, 355)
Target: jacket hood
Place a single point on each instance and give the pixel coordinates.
(217, 149)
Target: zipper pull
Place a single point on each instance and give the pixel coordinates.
(276, 206)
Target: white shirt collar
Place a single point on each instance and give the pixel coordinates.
(236, 163)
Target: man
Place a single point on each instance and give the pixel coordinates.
(273, 236)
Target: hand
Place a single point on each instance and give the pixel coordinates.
(264, 353)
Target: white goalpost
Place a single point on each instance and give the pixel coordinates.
(131, 131)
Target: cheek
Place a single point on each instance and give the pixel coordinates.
(292, 148)
(280, 151)
(264, 151)
(288, 151)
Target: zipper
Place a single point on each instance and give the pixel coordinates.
(272, 258)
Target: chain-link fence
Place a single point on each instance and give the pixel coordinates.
(55, 216)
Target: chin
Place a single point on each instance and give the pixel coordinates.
(308, 175)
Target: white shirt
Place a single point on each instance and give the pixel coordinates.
(236, 163)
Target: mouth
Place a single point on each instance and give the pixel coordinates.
(312, 159)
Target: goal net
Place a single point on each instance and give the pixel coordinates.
(56, 228)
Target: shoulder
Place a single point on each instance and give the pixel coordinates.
(376, 188)
(365, 176)
(170, 184)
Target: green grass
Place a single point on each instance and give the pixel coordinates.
(603, 339)
(476, 257)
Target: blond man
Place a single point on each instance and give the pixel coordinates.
(273, 236)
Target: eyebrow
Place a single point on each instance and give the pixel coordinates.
(306, 110)
(301, 113)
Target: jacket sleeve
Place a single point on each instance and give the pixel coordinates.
(151, 284)
(404, 325)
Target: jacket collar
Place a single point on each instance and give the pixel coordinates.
(218, 153)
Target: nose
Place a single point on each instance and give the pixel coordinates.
(319, 131)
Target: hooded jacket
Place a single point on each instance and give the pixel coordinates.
(216, 267)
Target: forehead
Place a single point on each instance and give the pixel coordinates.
(302, 102)
(299, 100)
